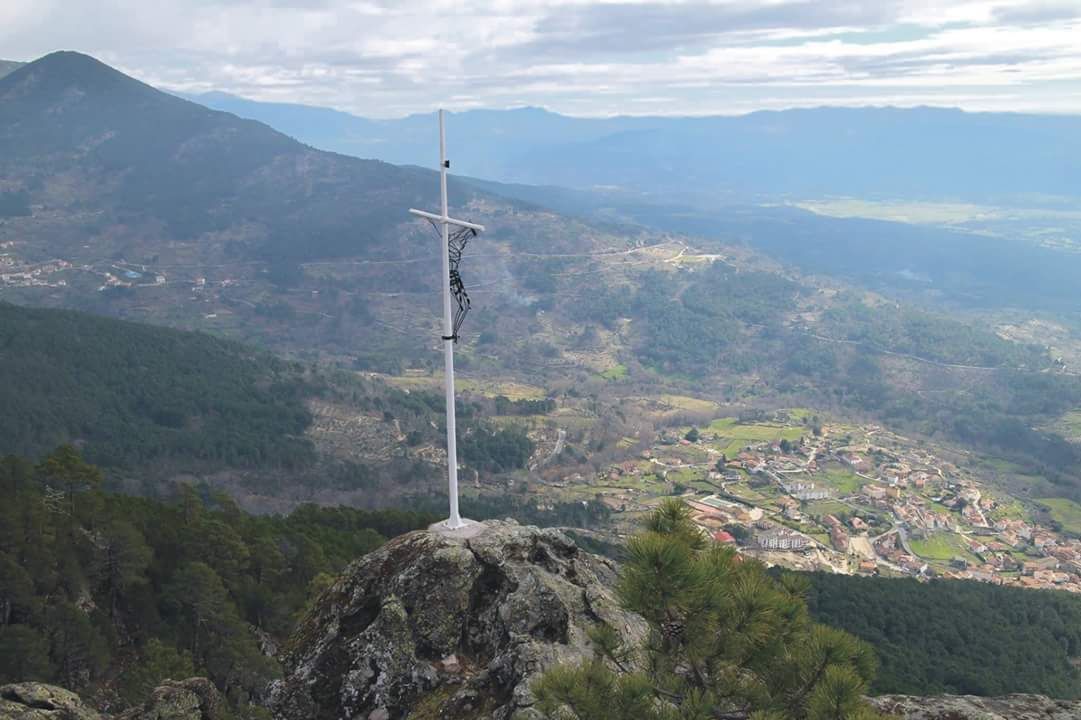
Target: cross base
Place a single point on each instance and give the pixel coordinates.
(467, 529)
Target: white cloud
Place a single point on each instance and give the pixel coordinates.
(386, 58)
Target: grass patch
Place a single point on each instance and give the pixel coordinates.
(939, 507)
(616, 372)
(754, 432)
(744, 492)
(823, 508)
(843, 481)
(489, 388)
(1069, 426)
(1012, 510)
(800, 414)
(684, 402)
(684, 476)
(1065, 512)
(942, 547)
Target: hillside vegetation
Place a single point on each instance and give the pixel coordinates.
(957, 637)
(724, 641)
(141, 153)
(132, 393)
(106, 592)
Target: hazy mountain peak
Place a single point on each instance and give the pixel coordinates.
(67, 69)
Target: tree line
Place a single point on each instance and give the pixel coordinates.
(133, 394)
(111, 594)
(957, 637)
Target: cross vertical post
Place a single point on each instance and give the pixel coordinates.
(454, 521)
(443, 221)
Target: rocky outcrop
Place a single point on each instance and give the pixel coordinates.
(431, 626)
(38, 701)
(968, 707)
(193, 699)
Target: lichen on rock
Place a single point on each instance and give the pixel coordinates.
(38, 701)
(969, 707)
(442, 627)
(192, 699)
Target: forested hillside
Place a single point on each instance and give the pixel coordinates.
(957, 637)
(132, 393)
(139, 153)
(112, 594)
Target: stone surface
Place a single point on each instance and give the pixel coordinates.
(967, 707)
(38, 701)
(192, 699)
(436, 626)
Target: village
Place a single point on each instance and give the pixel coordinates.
(795, 492)
(16, 272)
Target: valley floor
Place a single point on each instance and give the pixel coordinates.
(812, 494)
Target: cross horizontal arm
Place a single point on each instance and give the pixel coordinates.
(449, 220)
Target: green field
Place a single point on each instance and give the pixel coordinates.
(616, 372)
(684, 402)
(1066, 512)
(943, 546)
(685, 476)
(745, 492)
(509, 389)
(842, 480)
(1069, 425)
(825, 507)
(1012, 510)
(733, 436)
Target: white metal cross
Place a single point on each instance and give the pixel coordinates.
(444, 221)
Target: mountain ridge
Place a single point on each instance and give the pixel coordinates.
(69, 116)
(7, 66)
(800, 151)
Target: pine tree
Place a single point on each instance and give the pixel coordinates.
(16, 592)
(200, 598)
(122, 559)
(726, 641)
(24, 655)
(157, 662)
(78, 649)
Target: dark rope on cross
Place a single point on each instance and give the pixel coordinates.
(456, 241)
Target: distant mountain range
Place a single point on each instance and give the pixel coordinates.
(919, 153)
(722, 178)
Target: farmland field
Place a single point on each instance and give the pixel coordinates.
(754, 432)
(1069, 426)
(616, 372)
(941, 546)
(1066, 512)
(843, 481)
(825, 507)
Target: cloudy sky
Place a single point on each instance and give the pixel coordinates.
(388, 58)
